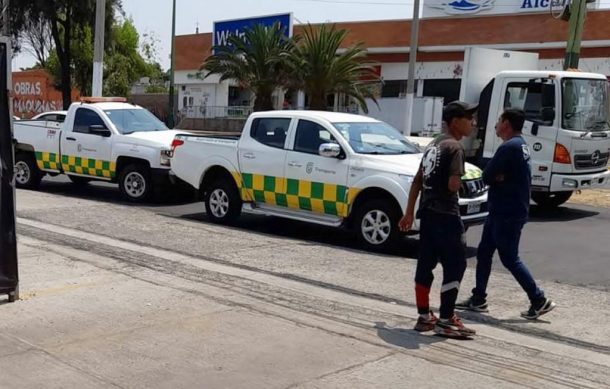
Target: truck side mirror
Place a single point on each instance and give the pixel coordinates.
(99, 129)
(329, 150)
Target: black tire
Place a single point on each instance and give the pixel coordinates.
(27, 175)
(77, 180)
(222, 201)
(550, 200)
(135, 183)
(376, 224)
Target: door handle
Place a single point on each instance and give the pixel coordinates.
(294, 164)
(249, 156)
(70, 138)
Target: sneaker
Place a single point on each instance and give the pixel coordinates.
(423, 325)
(453, 328)
(538, 309)
(473, 304)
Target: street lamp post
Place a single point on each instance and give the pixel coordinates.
(98, 50)
(412, 62)
(171, 118)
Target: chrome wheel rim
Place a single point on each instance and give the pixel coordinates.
(23, 174)
(135, 184)
(376, 227)
(219, 203)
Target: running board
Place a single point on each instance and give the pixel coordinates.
(326, 220)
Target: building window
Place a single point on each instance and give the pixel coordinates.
(394, 88)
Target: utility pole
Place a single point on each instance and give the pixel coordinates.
(412, 62)
(171, 118)
(98, 51)
(578, 12)
(9, 275)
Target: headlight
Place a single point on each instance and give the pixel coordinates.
(166, 157)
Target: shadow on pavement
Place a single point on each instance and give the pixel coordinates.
(406, 337)
(560, 214)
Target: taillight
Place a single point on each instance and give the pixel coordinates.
(562, 155)
(176, 143)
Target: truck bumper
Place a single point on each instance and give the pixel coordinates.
(571, 182)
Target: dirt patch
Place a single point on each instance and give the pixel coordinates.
(593, 197)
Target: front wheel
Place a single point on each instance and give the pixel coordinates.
(376, 224)
(135, 183)
(549, 200)
(222, 202)
(27, 174)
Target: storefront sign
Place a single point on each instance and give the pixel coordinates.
(444, 8)
(224, 29)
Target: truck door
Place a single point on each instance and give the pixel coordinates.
(315, 183)
(87, 149)
(538, 99)
(262, 155)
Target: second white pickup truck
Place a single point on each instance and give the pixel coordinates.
(328, 168)
(101, 138)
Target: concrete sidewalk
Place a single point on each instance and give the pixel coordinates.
(91, 321)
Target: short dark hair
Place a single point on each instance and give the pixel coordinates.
(458, 109)
(516, 118)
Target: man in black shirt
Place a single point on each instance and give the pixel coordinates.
(439, 179)
(508, 175)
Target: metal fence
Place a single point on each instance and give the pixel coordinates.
(213, 112)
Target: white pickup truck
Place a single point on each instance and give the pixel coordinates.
(328, 168)
(101, 139)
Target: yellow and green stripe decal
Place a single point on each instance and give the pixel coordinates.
(88, 166)
(330, 199)
(472, 174)
(47, 161)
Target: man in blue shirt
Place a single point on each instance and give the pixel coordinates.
(508, 175)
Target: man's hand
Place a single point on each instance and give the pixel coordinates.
(406, 222)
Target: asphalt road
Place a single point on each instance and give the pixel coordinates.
(568, 245)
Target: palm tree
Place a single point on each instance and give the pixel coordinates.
(256, 60)
(321, 69)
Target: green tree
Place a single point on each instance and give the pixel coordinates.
(67, 20)
(320, 69)
(257, 61)
(123, 63)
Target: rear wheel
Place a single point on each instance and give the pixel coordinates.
(376, 224)
(549, 200)
(27, 174)
(135, 183)
(222, 201)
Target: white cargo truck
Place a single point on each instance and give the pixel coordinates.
(566, 125)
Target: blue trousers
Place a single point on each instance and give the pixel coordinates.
(503, 234)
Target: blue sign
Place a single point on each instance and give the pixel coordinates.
(224, 29)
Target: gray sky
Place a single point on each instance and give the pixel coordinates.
(154, 16)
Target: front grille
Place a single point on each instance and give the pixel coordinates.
(472, 188)
(590, 161)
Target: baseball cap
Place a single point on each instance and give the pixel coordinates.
(458, 109)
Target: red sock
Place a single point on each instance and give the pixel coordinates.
(422, 298)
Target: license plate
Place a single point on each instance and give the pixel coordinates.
(473, 208)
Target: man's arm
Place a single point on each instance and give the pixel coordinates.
(456, 170)
(406, 222)
(496, 168)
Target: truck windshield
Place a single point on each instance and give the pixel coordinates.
(585, 104)
(128, 121)
(375, 138)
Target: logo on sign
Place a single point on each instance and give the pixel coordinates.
(537, 146)
(464, 7)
